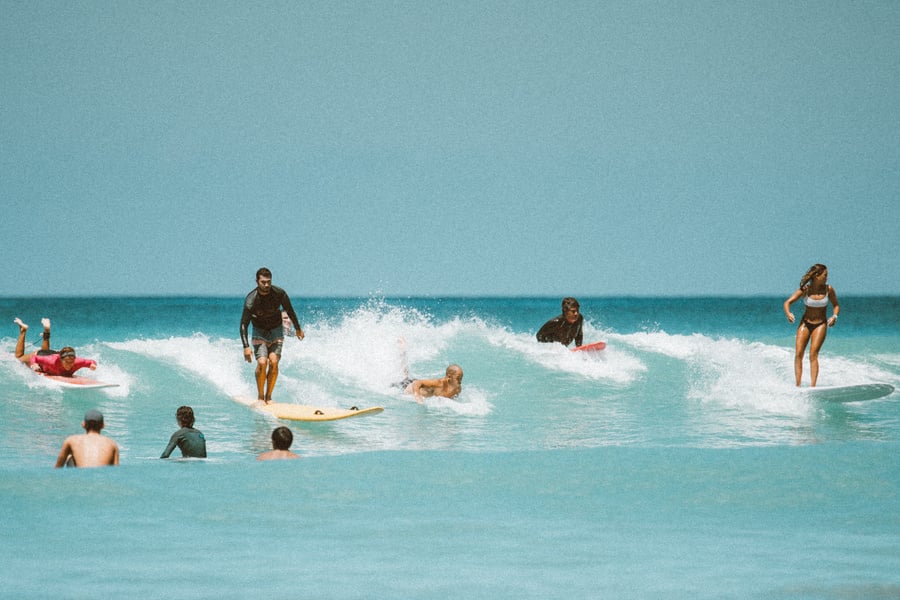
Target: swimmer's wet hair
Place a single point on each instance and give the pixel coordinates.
(185, 416)
(282, 438)
(93, 420)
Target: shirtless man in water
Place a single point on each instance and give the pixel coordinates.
(282, 438)
(448, 386)
(89, 449)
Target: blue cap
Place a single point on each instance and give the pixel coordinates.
(93, 415)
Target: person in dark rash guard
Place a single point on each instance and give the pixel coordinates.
(191, 441)
(263, 307)
(566, 327)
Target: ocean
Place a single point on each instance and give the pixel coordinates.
(680, 462)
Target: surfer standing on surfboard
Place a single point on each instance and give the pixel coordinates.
(263, 307)
(51, 362)
(566, 327)
(816, 294)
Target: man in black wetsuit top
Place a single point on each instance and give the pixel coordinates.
(262, 307)
(566, 327)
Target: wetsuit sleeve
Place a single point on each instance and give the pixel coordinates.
(289, 309)
(245, 324)
(579, 335)
(173, 441)
(547, 333)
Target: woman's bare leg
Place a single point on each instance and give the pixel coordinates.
(818, 338)
(799, 350)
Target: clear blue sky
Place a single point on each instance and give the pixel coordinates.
(449, 148)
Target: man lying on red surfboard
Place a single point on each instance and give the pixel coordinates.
(47, 361)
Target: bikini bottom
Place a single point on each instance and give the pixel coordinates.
(812, 326)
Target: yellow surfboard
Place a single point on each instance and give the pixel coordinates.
(300, 412)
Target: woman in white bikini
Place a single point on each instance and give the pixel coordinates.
(816, 294)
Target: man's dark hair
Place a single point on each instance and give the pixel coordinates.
(568, 303)
(282, 438)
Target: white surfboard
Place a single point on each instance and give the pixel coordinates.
(78, 383)
(850, 393)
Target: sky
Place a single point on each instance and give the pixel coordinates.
(459, 148)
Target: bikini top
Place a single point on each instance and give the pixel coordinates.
(813, 303)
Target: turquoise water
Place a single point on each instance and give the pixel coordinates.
(679, 463)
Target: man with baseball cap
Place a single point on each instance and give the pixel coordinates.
(89, 449)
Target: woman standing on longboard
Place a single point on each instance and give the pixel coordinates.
(816, 294)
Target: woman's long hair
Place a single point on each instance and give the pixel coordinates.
(814, 270)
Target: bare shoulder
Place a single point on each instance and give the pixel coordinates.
(277, 455)
(94, 439)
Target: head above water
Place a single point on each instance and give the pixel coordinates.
(282, 438)
(570, 309)
(93, 420)
(67, 352)
(568, 303)
(455, 372)
(185, 416)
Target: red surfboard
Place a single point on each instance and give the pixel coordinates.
(595, 347)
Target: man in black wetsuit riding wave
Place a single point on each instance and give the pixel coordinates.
(565, 328)
(262, 307)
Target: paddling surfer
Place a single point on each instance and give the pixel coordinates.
(50, 362)
(448, 386)
(263, 307)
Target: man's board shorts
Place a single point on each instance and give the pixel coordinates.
(267, 341)
(405, 383)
